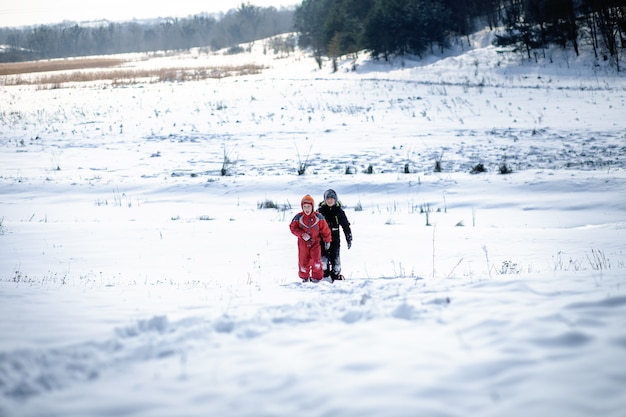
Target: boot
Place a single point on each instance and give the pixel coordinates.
(336, 277)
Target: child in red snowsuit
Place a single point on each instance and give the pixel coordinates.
(312, 231)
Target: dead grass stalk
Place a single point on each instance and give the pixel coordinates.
(89, 70)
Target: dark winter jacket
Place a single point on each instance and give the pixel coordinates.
(335, 217)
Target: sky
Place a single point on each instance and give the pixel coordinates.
(34, 12)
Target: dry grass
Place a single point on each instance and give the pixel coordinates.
(99, 69)
(58, 65)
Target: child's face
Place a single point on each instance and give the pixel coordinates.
(307, 208)
(330, 201)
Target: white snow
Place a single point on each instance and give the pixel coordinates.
(135, 280)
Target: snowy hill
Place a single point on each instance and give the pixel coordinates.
(135, 279)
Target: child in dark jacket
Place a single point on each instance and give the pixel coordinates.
(312, 232)
(335, 216)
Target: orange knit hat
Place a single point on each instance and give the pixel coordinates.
(307, 199)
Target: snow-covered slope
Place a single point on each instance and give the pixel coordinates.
(136, 280)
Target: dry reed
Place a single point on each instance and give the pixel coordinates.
(29, 67)
(99, 69)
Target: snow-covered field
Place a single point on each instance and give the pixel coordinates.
(135, 280)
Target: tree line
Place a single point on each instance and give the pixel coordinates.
(394, 27)
(244, 24)
(332, 28)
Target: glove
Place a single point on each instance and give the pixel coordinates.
(349, 240)
(349, 243)
(306, 237)
(326, 245)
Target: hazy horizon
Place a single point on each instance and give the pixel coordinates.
(15, 13)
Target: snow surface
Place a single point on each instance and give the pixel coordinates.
(135, 280)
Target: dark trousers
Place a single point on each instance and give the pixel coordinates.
(331, 260)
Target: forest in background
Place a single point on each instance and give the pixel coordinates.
(334, 28)
(68, 39)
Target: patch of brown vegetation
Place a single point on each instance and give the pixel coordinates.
(88, 70)
(58, 65)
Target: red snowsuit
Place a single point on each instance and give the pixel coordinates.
(309, 251)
